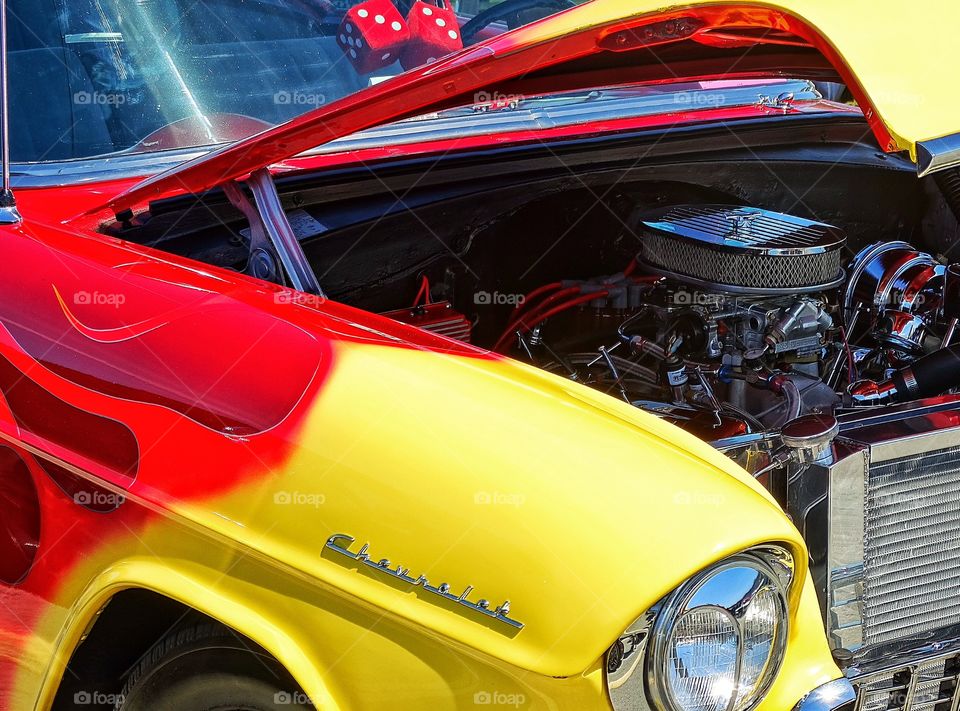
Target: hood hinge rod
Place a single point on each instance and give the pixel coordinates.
(269, 224)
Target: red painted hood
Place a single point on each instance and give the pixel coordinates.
(603, 41)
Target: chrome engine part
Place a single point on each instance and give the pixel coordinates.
(893, 276)
(758, 355)
(731, 329)
(912, 304)
(742, 250)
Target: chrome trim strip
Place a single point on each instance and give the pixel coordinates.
(5, 108)
(831, 695)
(95, 170)
(81, 37)
(852, 420)
(540, 113)
(533, 114)
(833, 490)
(889, 657)
(938, 154)
(906, 436)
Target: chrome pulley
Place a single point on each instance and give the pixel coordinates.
(893, 275)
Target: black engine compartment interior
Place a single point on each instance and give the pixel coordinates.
(509, 219)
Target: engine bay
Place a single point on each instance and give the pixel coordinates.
(734, 320)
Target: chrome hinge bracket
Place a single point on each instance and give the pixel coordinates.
(783, 101)
(262, 258)
(270, 229)
(9, 215)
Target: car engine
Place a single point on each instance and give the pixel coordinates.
(733, 320)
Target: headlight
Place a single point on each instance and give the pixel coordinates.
(715, 644)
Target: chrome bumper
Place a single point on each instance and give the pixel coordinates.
(833, 695)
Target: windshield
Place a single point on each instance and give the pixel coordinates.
(99, 77)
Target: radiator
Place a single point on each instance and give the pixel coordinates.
(912, 546)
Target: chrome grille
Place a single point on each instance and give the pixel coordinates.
(912, 546)
(928, 685)
(743, 248)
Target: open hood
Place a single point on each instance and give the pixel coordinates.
(901, 74)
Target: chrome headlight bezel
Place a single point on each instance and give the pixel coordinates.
(652, 633)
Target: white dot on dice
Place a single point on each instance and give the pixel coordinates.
(359, 43)
(441, 22)
(453, 35)
(343, 39)
(386, 55)
(353, 53)
(396, 25)
(427, 11)
(348, 28)
(362, 13)
(379, 19)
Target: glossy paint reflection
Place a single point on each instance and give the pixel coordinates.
(19, 518)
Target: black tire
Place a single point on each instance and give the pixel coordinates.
(207, 667)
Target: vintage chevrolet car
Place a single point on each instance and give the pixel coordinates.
(601, 363)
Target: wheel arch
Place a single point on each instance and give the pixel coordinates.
(88, 643)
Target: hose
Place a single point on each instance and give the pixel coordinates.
(931, 375)
(531, 298)
(527, 317)
(526, 323)
(790, 391)
(949, 183)
(928, 376)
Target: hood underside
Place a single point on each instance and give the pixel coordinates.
(899, 75)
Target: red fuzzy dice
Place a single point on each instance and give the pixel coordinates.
(372, 35)
(434, 32)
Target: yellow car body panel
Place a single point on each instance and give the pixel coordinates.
(412, 478)
(350, 656)
(499, 490)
